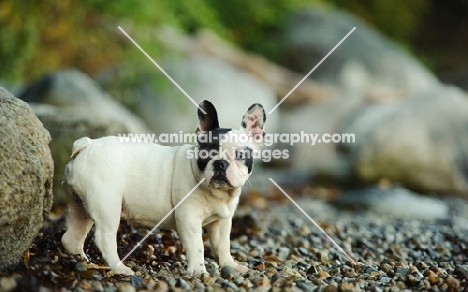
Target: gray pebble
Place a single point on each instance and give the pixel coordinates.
(136, 281)
(238, 280)
(461, 270)
(401, 271)
(171, 282)
(227, 272)
(369, 269)
(303, 251)
(385, 267)
(181, 283)
(305, 286)
(283, 253)
(96, 286)
(231, 285)
(125, 287)
(385, 280)
(81, 267)
(199, 287)
(110, 289)
(213, 269)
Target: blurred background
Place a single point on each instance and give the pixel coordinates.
(397, 195)
(398, 82)
(44, 36)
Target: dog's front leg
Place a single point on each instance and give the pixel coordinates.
(191, 235)
(219, 232)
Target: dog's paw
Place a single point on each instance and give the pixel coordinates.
(123, 270)
(196, 271)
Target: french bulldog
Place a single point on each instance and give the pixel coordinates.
(106, 177)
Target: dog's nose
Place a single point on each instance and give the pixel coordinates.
(220, 164)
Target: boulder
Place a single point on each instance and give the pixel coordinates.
(319, 160)
(365, 68)
(421, 143)
(365, 61)
(395, 203)
(71, 105)
(72, 89)
(26, 177)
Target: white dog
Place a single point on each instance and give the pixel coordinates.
(144, 180)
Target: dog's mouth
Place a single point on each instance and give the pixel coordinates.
(220, 181)
(220, 177)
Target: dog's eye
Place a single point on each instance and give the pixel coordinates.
(243, 154)
(240, 155)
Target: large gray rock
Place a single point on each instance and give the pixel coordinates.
(26, 170)
(364, 68)
(364, 61)
(72, 89)
(421, 143)
(231, 90)
(319, 160)
(397, 203)
(71, 105)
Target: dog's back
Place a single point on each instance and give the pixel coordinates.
(126, 173)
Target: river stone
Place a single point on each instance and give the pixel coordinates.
(231, 90)
(398, 203)
(26, 174)
(421, 143)
(365, 60)
(72, 89)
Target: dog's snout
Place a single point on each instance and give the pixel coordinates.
(221, 164)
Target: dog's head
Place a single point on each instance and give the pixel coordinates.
(225, 156)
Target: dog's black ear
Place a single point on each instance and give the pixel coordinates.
(254, 120)
(208, 121)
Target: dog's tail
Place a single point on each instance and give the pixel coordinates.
(79, 145)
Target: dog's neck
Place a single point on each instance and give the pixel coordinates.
(195, 169)
(226, 195)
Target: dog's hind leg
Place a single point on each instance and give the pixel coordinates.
(78, 225)
(106, 215)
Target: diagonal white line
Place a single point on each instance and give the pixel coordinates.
(313, 221)
(313, 69)
(160, 222)
(162, 70)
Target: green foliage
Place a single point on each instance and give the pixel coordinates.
(42, 36)
(255, 25)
